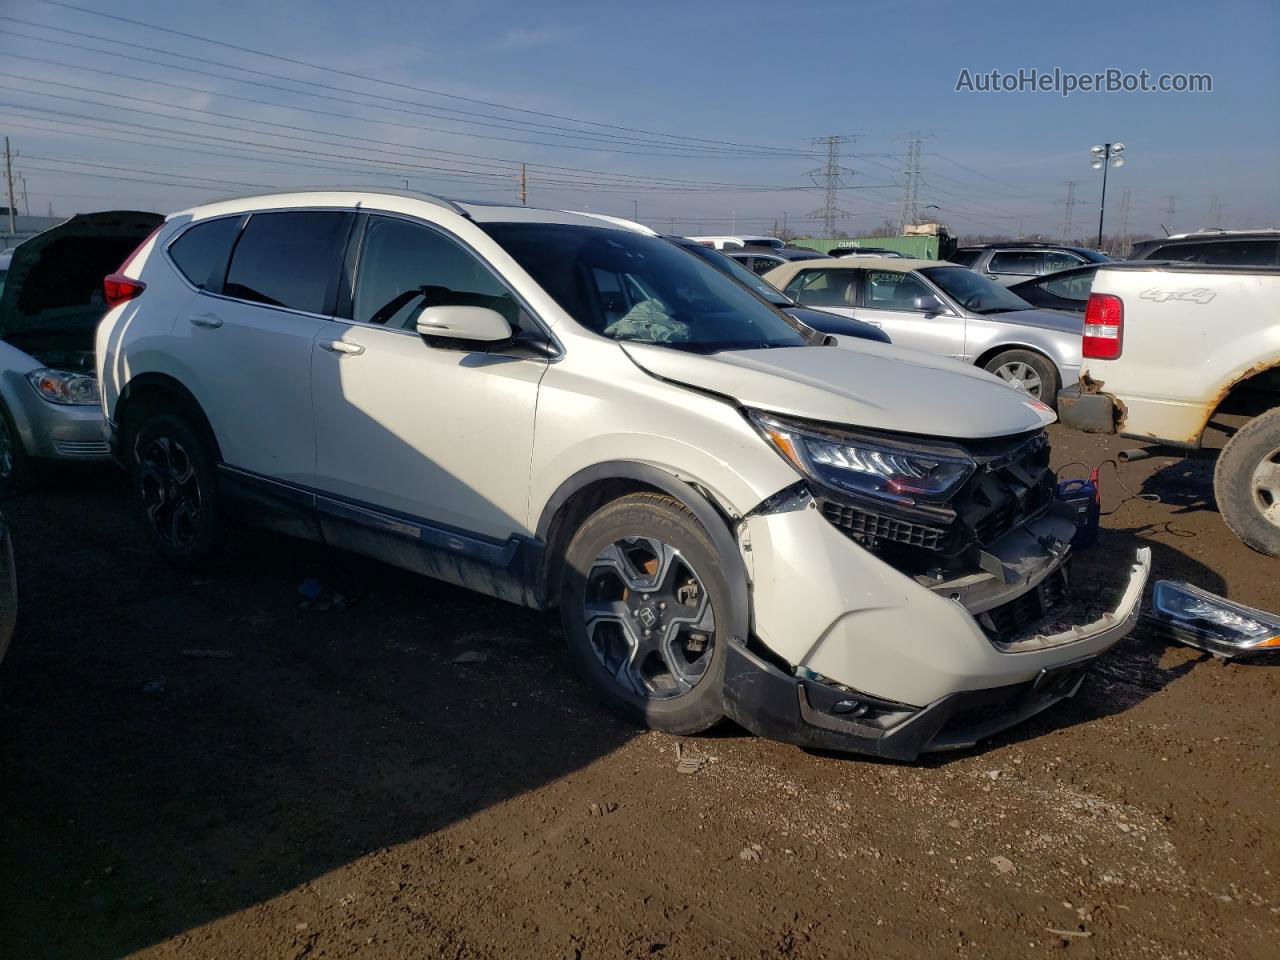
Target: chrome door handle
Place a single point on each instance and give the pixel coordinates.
(340, 346)
(206, 320)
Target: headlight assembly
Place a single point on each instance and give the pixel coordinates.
(63, 386)
(883, 468)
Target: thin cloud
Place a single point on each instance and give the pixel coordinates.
(527, 38)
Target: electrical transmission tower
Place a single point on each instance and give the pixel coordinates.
(1215, 212)
(911, 189)
(831, 175)
(1068, 209)
(1124, 224)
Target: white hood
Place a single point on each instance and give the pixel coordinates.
(877, 386)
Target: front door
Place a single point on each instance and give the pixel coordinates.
(435, 433)
(910, 312)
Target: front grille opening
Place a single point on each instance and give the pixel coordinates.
(1007, 621)
(872, 529)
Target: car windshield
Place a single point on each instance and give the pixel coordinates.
(736, 270)
(973, 291)
(629, 286)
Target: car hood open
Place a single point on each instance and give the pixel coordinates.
(54, 285)
(876, 386)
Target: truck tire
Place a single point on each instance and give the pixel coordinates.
(645, 607)
(1246, 483)
(1036, 373)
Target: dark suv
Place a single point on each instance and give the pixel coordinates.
(1235, 248)
(1010, 263)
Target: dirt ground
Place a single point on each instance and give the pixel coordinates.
(200, 768)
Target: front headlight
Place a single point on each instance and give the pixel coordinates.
(63, 386)
(888, 469)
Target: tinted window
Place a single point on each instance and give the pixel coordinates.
(762, 265)
(201, 252)
(288, 259)
(966, 258)
(406, 267)
(891, 290)
(1028, 262)
(653, 293)
(1073, 286)
(824, 288)
(1235, 253)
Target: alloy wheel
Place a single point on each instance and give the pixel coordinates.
(171, 495)
(1022, 376)
(1265, 485)
(649, 619)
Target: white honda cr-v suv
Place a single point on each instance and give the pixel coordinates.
(850, 548)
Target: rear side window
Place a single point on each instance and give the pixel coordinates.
(201, 252)
(1056, 260)
(288, 259)
(823, 288)
(1028, 262)
(966, 258)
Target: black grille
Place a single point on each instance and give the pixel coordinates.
(872, 526)
(1010, 619)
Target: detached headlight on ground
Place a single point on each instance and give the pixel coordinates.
(1208, 622)
(63, 386)
(865, 465)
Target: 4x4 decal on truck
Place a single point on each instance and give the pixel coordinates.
(1195, 295)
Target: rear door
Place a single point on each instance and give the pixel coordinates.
(910, 312)
(247, 337)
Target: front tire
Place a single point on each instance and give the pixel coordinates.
(14, 467)
(173, 472)
(1032, 373)
(1246, 483)
(645, 607)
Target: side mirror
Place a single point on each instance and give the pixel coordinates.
(478, 324)
(929, 304)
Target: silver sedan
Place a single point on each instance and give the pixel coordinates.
(945, 309)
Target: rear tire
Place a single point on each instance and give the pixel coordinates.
(173, 473)
(1246, 483)
(1036, 372)
(645, 608)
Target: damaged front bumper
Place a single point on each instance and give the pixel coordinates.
(808, 712)
(851, 655)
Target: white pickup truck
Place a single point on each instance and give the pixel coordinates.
(1170, 346)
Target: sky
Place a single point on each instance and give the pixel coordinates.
(692, 117)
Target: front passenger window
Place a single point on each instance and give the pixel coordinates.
(823, 288)
(405, 267)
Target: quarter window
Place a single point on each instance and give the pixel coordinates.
(201, 252)
(288, 259)
(406, 267)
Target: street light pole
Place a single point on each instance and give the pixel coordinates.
(1102, 207)
(1104, 156)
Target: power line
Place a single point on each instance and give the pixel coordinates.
(393, 83)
